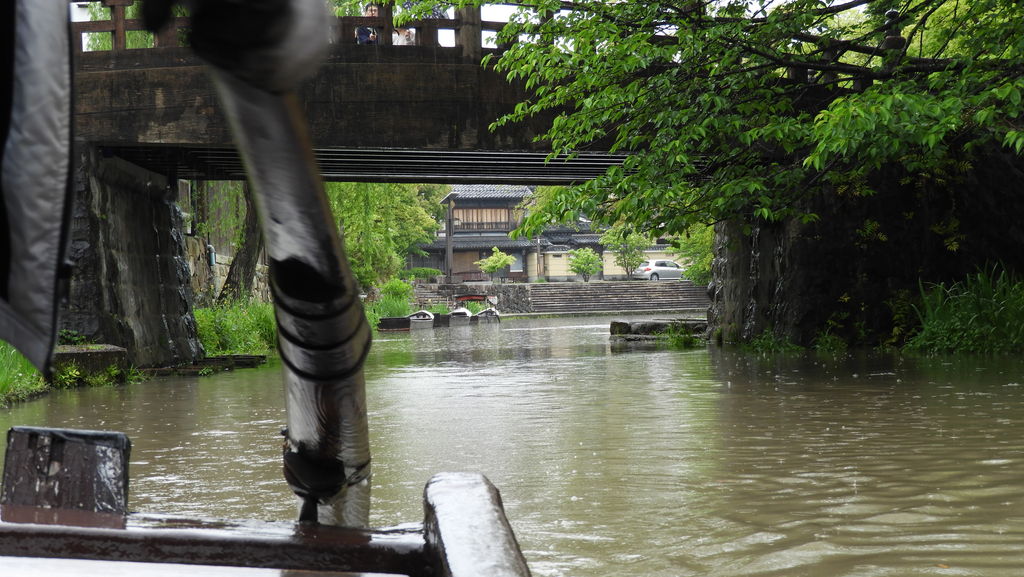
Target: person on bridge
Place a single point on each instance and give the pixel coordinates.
(404, 36)
(368, 34)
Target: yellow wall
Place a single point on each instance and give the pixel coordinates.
(613, 270)
(556, 264)
(531, 265)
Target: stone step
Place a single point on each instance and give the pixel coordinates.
(617, 296)
(575, 307)
(567, 297)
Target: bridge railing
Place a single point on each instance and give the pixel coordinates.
(120, 33)
(113, 34)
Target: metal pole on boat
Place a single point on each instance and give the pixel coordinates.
(323, 335)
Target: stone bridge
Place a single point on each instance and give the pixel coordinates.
(147, 118)
(378, 113)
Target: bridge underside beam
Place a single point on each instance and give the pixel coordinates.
(380, 165)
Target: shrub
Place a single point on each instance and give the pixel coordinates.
(397, 288)
(768, 343)
(372, 318)
(496, 262)
(391, 306)
(981, 314)
(679, 336)
(242, 327)
(829, 343)
(585, 262)
(67, 376)
(70, 337)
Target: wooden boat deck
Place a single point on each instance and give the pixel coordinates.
(155, 545)
(63, 511)
(31, 567)
(464, 533)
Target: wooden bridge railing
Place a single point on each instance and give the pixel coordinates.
(119, 26)
(467, 25)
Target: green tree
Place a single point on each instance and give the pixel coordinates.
(743, 108)
(628, 247)
(98, 41)
(494, 263)
(429, 196)
(585, 262)
(346, 7)
(241, 275)
(381, 224)
(696, 248)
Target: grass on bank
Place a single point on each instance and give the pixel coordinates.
(20, 381)
(237, 328)
(248, 327)
(243, 327)
(982, 314)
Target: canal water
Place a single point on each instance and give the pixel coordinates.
(618, 459)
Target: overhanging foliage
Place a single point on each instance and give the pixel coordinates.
(740, 108)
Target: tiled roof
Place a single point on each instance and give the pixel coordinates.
(479, 244)
(489, 191)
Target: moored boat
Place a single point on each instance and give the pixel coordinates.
(460, 316)
(489, 315)
(421, 320)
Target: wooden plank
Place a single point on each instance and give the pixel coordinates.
(466, 530)
(117, 16)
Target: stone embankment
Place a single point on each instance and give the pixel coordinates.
(623, 296)
(210, 365)
(655, 329)
(573, 297)
(90, 359)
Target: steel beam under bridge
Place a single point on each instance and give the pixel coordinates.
(381, 164)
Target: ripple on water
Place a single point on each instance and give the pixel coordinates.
(710, 463)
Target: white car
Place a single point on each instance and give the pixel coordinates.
(658, 269)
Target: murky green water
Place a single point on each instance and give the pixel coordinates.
(626, 460)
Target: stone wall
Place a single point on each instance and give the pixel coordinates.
(202, 277)
(854, 272)
(131, 281)
(507, 298)
(511, 298)
(207, 280)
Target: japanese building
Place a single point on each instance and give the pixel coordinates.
(481, 217)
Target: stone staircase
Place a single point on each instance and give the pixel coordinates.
(427, 296)
(571, 297)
